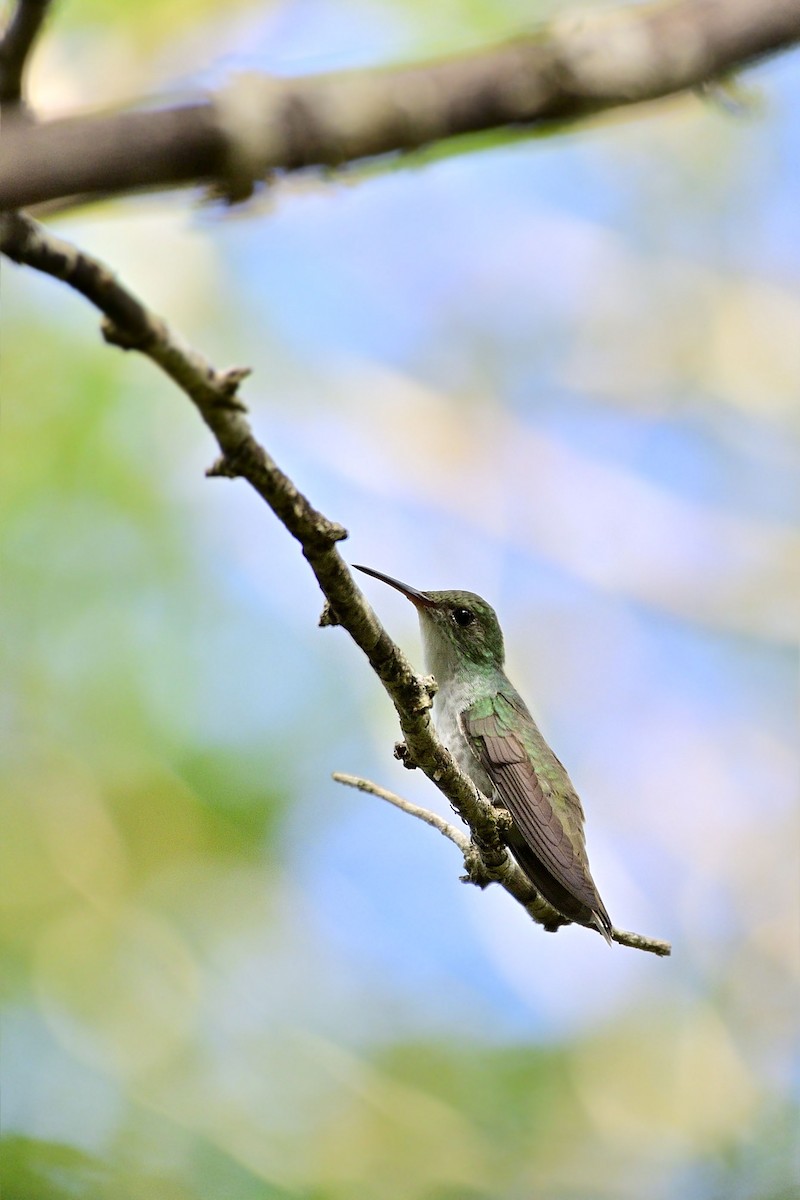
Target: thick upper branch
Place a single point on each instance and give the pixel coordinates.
(260, 124)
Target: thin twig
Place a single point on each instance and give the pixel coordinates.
(16, 45)
(638, 941)
(131, 326)
(414, 810)
(582, 63)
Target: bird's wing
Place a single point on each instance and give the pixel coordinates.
(527, 791)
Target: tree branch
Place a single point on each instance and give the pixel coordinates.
(259, 124)
(129, 325)
(15, 47)
(636, 941)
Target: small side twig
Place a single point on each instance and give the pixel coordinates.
(414, 810)
(16, 45)
(638, 941)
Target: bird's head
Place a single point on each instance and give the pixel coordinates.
(460, 631)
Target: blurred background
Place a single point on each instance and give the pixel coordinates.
(560, 371)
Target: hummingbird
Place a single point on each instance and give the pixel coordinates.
(483, 721)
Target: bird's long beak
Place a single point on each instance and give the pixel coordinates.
(419, 599)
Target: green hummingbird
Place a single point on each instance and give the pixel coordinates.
(483, 721)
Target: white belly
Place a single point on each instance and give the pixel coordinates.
(446, 718)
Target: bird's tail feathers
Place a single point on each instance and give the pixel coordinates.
(602, 923)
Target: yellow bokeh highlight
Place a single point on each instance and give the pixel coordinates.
(118, 988)
(679, 1086)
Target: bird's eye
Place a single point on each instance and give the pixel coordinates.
(463, 617)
